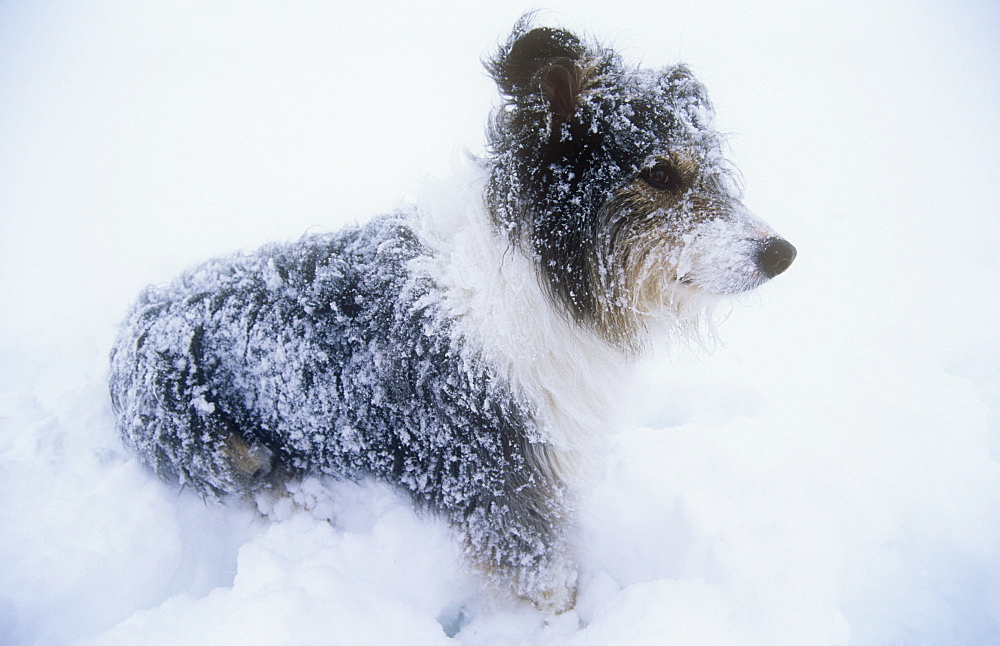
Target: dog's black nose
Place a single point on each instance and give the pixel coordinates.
(774, 256)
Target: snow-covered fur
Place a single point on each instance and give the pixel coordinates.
(464, 353)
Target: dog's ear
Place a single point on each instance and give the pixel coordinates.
(689, 96)
(543, 60)
(562, 85)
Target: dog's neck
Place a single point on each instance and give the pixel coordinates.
(504, 313)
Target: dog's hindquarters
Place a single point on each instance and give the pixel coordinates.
(165, 377)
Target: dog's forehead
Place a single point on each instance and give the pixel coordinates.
(675, 100)
(657, 114)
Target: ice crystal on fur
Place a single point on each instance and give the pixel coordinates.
(462, 363)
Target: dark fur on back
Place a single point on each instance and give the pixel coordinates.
(331, 356)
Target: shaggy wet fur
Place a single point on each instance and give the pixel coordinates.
(466, 364)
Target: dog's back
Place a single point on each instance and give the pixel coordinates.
(327, 353)
(203, 370)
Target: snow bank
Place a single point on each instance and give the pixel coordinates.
(830, 475)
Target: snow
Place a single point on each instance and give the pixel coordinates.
(830, 474)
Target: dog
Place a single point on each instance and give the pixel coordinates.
(467, 356)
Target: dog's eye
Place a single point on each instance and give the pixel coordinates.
(661, 176)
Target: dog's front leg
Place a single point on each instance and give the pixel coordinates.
(519, 542)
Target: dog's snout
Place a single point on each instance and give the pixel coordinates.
(775, 255)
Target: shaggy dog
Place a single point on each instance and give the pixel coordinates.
(466, 356)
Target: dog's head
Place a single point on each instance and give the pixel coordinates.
(613, 179)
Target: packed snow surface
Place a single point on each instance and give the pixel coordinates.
(830, 474)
